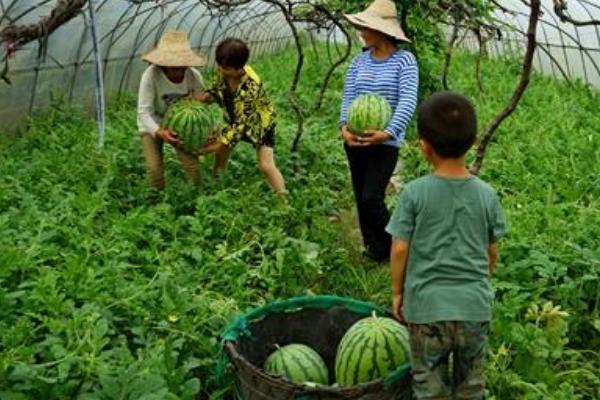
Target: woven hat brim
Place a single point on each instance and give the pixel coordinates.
(174, 59)
(389, 27)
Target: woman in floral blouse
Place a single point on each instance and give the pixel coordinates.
(248, 111)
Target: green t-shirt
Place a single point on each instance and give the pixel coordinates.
(449, 224)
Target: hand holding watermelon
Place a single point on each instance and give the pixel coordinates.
(202, 97)
(350, 138)
(169, 136)
(368, 138)
(375, 137)
(212, 145)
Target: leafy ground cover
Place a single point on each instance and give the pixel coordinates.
(111, 291)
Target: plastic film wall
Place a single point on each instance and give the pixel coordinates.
(567, 49)
(65, 65)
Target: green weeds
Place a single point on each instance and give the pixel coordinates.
(111, 291)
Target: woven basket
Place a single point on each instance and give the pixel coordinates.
(319, 322)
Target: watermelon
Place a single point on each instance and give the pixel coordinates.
(192, 121)
(299, 363)
(368, 112)
(371, 349)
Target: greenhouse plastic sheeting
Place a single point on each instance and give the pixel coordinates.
(564, 48)
(126, 30)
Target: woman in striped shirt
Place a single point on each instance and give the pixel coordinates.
(393, 73)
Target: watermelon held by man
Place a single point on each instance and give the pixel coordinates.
(298, 363)
(371, 349)
(193, 122)
(368, 112)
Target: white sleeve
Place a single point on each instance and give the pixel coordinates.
(146, 117)
(197, 81)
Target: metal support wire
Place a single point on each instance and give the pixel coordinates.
(100, 104)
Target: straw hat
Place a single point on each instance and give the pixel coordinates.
(381, 16)
(174, 50)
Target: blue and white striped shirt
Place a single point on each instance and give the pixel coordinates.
(396, 79)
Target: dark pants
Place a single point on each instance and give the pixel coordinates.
(371, 169)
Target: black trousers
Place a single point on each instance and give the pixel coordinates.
(371, 168)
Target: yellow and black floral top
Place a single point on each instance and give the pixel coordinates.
(248, 112)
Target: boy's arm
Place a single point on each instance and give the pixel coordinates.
(398, 260)
(212, 145)
(492, 257)
(209, 93)
(497, 230)
(203, 96)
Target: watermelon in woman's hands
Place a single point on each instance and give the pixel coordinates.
(368, 112)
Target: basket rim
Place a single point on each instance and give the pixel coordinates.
(239, 324)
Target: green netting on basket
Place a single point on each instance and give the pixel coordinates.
(318, 321)
(240, 325)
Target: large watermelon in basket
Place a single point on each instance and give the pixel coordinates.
(192, 121)
(371, 349)
(368, 112)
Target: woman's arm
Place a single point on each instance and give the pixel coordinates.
(408, 86)
(146, 117)
(349, 91)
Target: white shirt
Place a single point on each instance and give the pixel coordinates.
(153, 86)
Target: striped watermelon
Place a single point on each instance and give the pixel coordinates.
(192, 121)
(299, 363)
(368, 112)
(371, 349)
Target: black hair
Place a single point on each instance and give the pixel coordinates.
(448, 121)
(232, 52)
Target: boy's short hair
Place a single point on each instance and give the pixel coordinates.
(448, 121)
(232, 52)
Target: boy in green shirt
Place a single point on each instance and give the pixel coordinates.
(445, 230)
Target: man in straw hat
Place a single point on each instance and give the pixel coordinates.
(170, 75)
(383, 69)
